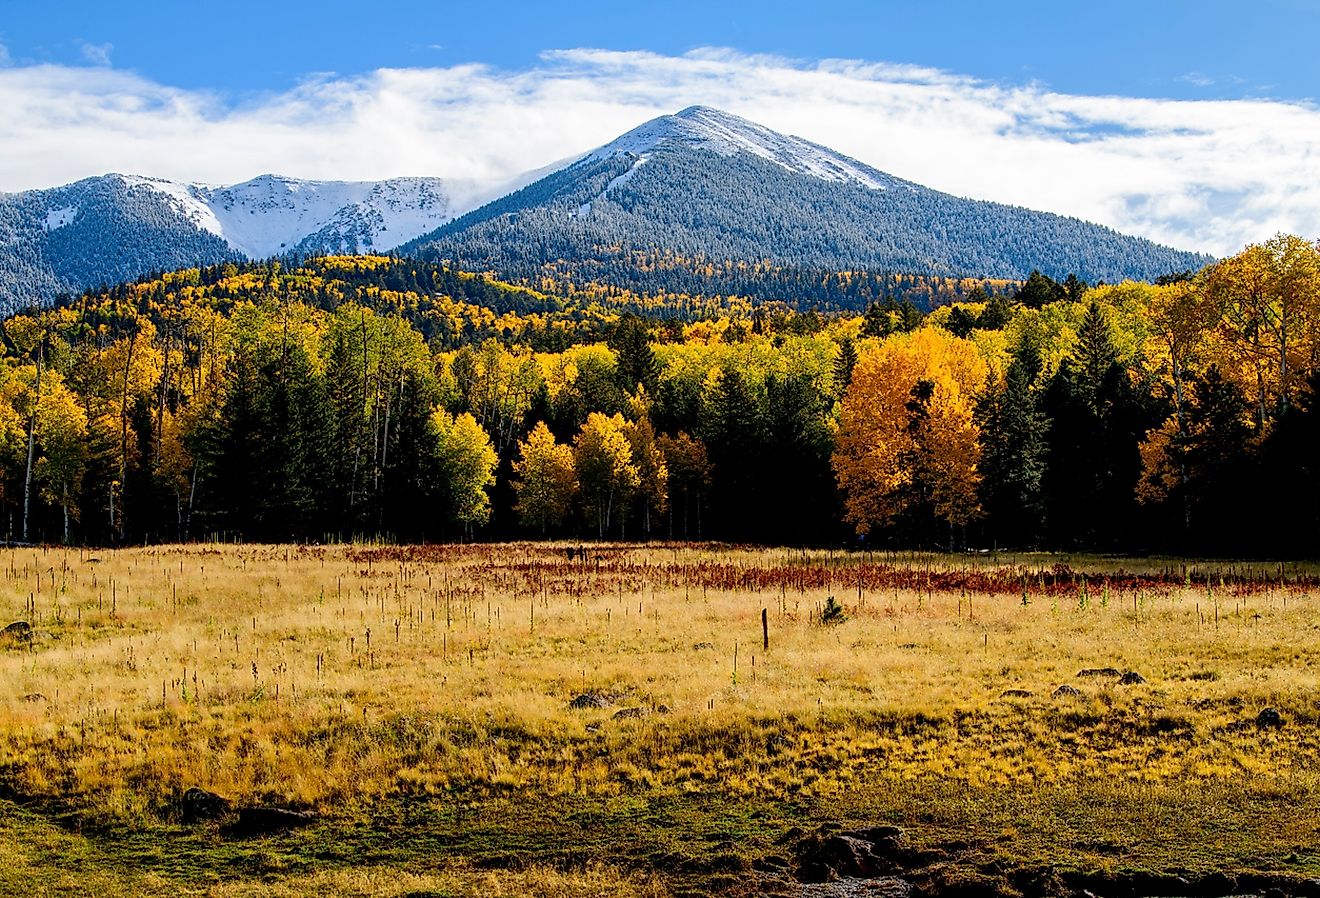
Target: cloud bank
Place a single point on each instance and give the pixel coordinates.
(1205, 175)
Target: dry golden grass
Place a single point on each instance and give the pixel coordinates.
(330, 677)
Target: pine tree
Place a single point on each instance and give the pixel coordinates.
(1039, 290)
(1013, 457)
(844, 363)
(637, 364)
(1095, 355)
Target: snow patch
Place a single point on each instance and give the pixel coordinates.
(626, 176)
(188, 199)
(58, 218)
(270, 214)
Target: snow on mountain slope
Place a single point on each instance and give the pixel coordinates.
(702, 127)
(269, 215)
(58, 218)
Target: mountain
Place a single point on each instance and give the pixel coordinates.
(659, 209)
(704, 186)
(118, 227)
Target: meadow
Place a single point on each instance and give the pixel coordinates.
(622, 719)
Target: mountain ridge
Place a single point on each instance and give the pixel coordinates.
(708, 185)
(698, 184)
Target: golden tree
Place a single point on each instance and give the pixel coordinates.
(1269, 298)
(907, 436)
(545, 481)
(605, 467)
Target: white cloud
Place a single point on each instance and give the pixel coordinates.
(1206, 175)
(96, 54)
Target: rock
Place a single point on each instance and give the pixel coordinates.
(824, 858)
(34, 697)
(1066, 691)
(18, 631)
(1098, 672)
(198, 805)
(1131, 678)
(703, 646)
(589, 700)
(886, 843)
(827, 854)
(1015, 693)
(1269, 718)
(629, 713)
(263, 821)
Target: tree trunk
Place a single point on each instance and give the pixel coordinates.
(1182, 434)
(32, 444)
(123, 428)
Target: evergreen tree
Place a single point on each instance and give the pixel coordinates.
(731, 430)
(1013, 457)
(876, 322)
(1097, 421)
(637, 364)
(844, 363)
(1039, 290)
(997, 313)
(1215, 453)
(410, 475)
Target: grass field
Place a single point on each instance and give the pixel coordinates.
(418, 701)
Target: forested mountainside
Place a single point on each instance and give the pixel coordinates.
(355, 396)
(721, 206)
(97, 231)
(707, 185)
(104, 230)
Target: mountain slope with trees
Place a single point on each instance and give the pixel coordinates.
(705, 186)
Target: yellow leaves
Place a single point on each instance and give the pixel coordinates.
(1159, 477)
(906, 431)
(546, 479)
(468, 458)
(606, 470)
(1268, 297)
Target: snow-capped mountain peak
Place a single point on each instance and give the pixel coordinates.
(716, 131)
(272, 214)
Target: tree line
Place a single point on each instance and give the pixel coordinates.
(317, 403)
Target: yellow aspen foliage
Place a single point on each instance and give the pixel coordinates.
(907, 433)
(468, 460)
(546, 480)
(1268, 300)
(606, 471)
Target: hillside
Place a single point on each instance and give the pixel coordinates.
(701, 203)
(118, 227)
(706, 185)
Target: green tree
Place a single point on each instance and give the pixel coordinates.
(1013, 457)
(1039, 290)
(844, 363)
(607, 475)
(466, 463)
(636, 363)
(546, 480)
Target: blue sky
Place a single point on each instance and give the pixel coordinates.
(1193, 123)
(1155, 48)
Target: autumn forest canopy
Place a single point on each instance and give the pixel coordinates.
(368, 396)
